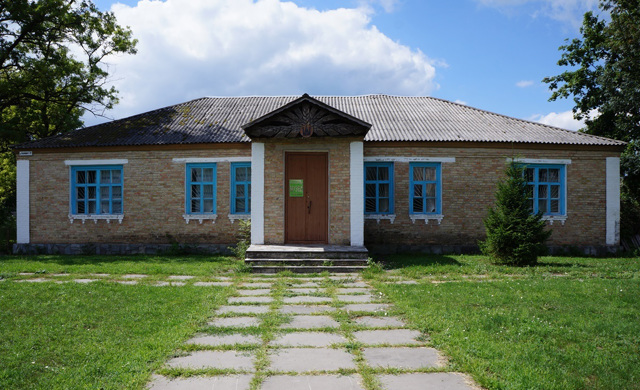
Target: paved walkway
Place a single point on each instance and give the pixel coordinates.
(307, 333)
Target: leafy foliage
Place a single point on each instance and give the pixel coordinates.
(604, 81)
(515, 236)
(244, 240)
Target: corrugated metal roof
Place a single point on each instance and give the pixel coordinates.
(393, 118)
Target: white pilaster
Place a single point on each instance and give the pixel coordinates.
(613, 201)
(22, 202)
(357, 193)
(257, 193)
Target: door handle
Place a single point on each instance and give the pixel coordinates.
(309, 207)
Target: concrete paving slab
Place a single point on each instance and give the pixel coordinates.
(371, 307)
(36, 280)
(355, 298)
(307, 284)
(85, 280)
(206, 284)
(353, 290)
(306, 299)
(310, 359)
(133, 276)
(303, 309)
(243, 309)
(127, 282)
(420, 381)
(26, 273)
(57, 275)
(313, 382)
(235, 382)
(354, 284)
(260, 291)
(225, 339)
(250, 300)
(379, 322)
(308, 339)
(214, 359)
(163, 284)
(305, 290)
(256, 285)
(310, 322)
(403, 282)
(236, 322)
(402, 357)
(389, 336)
(100, 275)
(181, 277)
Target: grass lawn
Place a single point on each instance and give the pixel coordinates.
(100, 335)
(570, 323)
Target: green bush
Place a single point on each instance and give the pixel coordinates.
(515, 236)
(244, 240)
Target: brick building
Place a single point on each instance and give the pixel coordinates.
(399, 173)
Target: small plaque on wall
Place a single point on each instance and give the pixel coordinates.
(296, 188)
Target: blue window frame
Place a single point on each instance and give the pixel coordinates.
(241, 188)
(424, 188)
(96, 189)
(201, 189)
(378, 188)
(545, 187)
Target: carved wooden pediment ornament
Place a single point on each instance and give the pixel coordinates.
(303, 118)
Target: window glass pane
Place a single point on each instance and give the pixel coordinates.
(530, 204)
(195, 190)
(195, 206)
(555, 206)
(371, 173)
(116, 177)
(543, 192)
(104, 193)
(80, 207)
(196, 174)
(80, 177)
(104, 207)
(80, 193)
(383, 205)
(207, 191)
(207, 175)
(370, 205)
(431, 205)
(383, 190)
(116, 192)
(417, 190)
(241, 174)
(370, 190)
(417, 205)
(555, 191)
(383, 173)
(542, 206)
(554, 175)
(208, 205)
(240, 190)
(418, 173)
(249, 205)
(430, 174)
(91, 177)
(431, 190)
(240, 205)
(542, 175)
(528, 175)
(530, 191)
(91, 207)
(117, 207)
(92, 192)
(105, 176)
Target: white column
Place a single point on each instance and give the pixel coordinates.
(613, 200)
(22, 202)
(257, 193)
(357, 193)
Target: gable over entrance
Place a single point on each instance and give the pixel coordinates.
(306, 117)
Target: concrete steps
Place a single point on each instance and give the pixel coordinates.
(306, 258)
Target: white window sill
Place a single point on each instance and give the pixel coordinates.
(554, 218)
(237, 217)
(96, 217)
(426, 218)
(378, 217)
(200, 217)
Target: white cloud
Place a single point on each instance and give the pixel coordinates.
(524, 83)
(563, 120)
(193, 48)
(460, 102)
(570, 11)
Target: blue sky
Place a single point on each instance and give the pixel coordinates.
(489, 54)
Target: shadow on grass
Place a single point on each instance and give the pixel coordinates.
(409, 260)
(112, 259)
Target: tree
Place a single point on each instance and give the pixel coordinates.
(515, 236)
(604, 81)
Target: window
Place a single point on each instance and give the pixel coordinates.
(378, 188)
(545, 186)
(424, 188)
(201, 189)
(241, 188)
(96, 190)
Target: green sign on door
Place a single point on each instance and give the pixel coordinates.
(296, 188)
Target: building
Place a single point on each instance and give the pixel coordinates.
(388, 172)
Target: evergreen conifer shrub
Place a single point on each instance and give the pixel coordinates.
(515, 236)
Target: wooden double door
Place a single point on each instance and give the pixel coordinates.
(306, 198)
